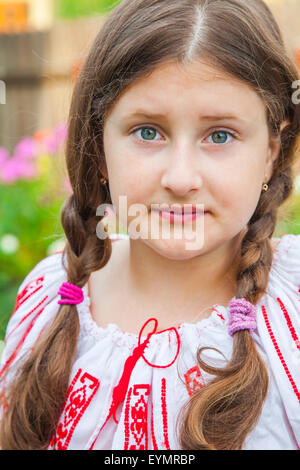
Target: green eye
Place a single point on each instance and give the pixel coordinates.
(221, 137)
(147, 133)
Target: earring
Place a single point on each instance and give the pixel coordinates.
(265, 187)
(103, 180)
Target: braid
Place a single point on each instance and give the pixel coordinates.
(85, 252)
(33, 415)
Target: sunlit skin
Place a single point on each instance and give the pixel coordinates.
(182, 158)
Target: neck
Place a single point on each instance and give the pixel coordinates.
(171, 285)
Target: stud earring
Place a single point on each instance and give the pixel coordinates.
(265, 187)
(103, 180)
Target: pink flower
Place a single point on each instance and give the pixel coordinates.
(4, 155)
(26, 148)
(10, 171)
(16, 168)
(22, 164)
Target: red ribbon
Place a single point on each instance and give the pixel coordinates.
(119, 391)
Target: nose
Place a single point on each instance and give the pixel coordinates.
(181, 174)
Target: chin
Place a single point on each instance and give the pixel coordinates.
(173, 249)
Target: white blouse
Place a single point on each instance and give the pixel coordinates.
(146, 418)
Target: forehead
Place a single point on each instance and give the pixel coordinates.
(197, 86)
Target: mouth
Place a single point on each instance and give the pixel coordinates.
(181, 211)
(180, 215)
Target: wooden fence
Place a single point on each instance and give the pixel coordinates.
(38, 70)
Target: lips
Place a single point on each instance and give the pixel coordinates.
(181, 211)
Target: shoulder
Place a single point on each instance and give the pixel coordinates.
(36, 305)
(43, 273)
(284, 280)
(40, 282)
(287, 259)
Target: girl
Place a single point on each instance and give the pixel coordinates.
(150, 345)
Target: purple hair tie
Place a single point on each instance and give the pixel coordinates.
(242, 316)
(73, 294)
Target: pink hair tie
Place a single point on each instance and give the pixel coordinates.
(242, 316)
(73, 294)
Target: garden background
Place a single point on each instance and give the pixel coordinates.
(42, 46)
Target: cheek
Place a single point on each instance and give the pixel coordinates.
(238, 191)
(130, 185)
(127, 189)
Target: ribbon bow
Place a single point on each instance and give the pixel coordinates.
(119, 392)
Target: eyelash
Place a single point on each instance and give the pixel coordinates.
(232, 134)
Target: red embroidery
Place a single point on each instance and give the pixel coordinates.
(80, 394)
(164, 413)
(126, 420)
(31, 288)
(275, 344)
(194, 380)
(15, 352)
(26, 316)
(158, 333)
(289, 323)
(136, 411)
(218, 313)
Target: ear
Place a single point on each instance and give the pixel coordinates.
(273, 151)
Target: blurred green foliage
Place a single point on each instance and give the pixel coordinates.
(289, 215)
(79, 8)
(30, 204)
(29, 212)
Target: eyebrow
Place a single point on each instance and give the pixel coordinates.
(208, 117)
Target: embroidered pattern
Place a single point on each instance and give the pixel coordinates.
(194, 380)
(279, 353)
(136, 411)
(289, 323)
(21, 342)
(80, 394)
(26, 316)
(31, 288)
(218, 313)
(164, 413)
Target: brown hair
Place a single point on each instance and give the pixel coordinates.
(241, 38)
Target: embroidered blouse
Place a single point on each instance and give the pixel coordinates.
(146, 416)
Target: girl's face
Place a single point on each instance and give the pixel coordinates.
(189, 134)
